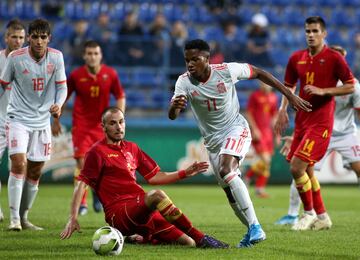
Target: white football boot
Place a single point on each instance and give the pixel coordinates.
(26, 224)
(321, 224)
(305, 222)
(1, 216)
(15, 225)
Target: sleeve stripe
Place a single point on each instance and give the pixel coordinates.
(152, 173)
(289, 84)
(251, 71)
(60, 82)
(4, 82)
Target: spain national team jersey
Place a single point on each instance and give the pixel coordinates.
(323, 70)
(92, 94)
(111, 171)
(263, 107)
(4, 94)
(35, 86)
(214, 103)
(344, 112)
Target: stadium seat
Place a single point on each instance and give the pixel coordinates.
(293, 16)
(341, 17)
(147, 12)
(213, 33)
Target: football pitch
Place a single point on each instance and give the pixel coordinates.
(208, 209)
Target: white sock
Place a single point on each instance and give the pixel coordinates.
(294, 201)
(236, 208)
(15, 188)
(30, 191)
(323, 216)
(242, 197)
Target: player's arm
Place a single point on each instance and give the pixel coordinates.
(121, 103)
(73, 223)
(295, 101)
(170, 177)
(178, 103)
(282, 119)
(345, 89)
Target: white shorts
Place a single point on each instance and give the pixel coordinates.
(3, 143)
(36, 144)
(236, 143)
(348, 146)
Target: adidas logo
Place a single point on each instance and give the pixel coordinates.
(25, 71)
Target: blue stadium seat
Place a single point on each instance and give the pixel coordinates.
(172, 12)
(340, 17)
(147, 12)
(329, 3)
(334, 36)
(213, 33)
(280, 56)
(160, 98)
(293, 16)
(135, 99)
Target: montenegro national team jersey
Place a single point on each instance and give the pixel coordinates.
(92, 94)
(323, 70)
(214, 103)
(111, 171)
(344, 112)
(35, 86)
(4, 94)
(263, 107)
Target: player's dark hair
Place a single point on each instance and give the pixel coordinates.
(39, 26)
(197, 44)
(91, 44)
(339, 49)
(15, 25)
(316, 19)
(112, 109)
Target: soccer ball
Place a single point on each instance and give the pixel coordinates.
(107, 241)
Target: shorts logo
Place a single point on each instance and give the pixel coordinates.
(221, 87)
(13, 143)
(50, 68)
(25, 71)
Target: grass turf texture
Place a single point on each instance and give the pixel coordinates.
(206, 206)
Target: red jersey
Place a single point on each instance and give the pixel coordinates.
(110, 171)
(263, 107)
(92, 94)
(323, 70)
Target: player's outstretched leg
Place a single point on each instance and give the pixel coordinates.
(246, 209)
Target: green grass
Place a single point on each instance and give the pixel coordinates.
(206, 206)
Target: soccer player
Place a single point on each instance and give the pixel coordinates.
(38, 90)
(110, 167)
(318, 68)
(343, 140)
(261, 113)
(211, 91)
(14, 39)
(92, 84)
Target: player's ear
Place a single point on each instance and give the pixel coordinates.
(49, 37)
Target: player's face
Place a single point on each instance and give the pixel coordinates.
(315, 35)
(92, 56)
(15, 39)
(114, 126)
(38, 42)
(197, 62)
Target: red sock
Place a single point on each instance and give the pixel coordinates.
(261, 181)
(317, 199)
(249, 174)
(303, 185)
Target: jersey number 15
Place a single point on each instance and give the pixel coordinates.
(38, 84)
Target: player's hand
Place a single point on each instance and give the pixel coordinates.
(55, 110)
(282, 122)
(56, 128)
(255, 134)
(297, 103)
(179, 102)
(285, 149)
(195, 168)
(70, 227)
(312, 90)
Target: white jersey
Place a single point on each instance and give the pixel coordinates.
(35, 86)
(4, 95)
(344, 122)
(214, 103)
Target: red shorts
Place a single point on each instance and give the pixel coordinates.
(84, 138)
(264, 145)
(134, 217)
(310, 145)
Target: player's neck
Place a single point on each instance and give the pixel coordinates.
(316, 50)
(37, 56)
(7, 51)
(94, 69)
(205, 76)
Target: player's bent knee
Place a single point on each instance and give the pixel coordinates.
(153, 197)
(224, 170)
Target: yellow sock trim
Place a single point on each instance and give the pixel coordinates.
(315, 185)
(164, 204)
(303, 182)
(259, 167)
(172, 213)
